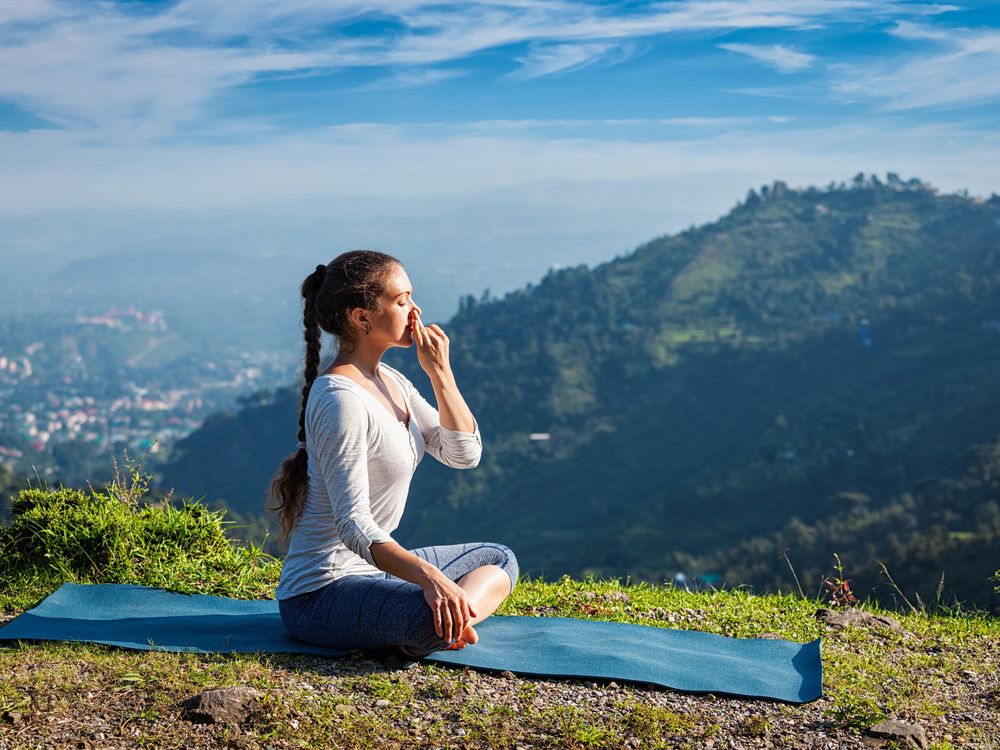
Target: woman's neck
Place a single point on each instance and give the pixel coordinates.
(368, 369)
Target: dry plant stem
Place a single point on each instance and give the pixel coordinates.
(884, 570)
(785, 555)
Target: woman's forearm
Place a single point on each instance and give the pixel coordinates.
(454, 413)
(393, 558)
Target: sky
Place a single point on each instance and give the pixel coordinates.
(481, 142)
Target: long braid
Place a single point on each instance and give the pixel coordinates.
(314, 346)
(290, 484)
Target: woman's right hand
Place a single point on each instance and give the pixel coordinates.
(433, 345)
(450, 606)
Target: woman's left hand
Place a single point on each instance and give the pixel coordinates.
(432, 346)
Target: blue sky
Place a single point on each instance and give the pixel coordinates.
(547, 132)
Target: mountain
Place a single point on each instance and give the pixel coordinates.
(701, 391)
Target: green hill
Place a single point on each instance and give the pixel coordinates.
(711, 389)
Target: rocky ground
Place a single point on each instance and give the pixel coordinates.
(85, 696)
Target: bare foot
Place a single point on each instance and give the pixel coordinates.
(468, 636)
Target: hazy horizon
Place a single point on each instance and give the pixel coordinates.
(482, 143)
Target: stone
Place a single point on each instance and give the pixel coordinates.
(221, 706)
(840, 618)
(508, 675)
(382, 702)
(909, 735)
(345, 708)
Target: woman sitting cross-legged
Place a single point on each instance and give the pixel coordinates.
(363, 430)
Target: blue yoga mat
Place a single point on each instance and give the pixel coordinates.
(144, 617)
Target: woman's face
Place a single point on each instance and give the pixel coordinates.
(397, 306)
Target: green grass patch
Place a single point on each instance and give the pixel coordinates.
(110, 536)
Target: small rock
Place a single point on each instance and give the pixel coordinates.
(382, 702)
(13, 717)
(910, 735)
(508, 675)
(769, 635)
(226, 705)
(591, 684)
(840, 618)
(612, 684)
(345, 708)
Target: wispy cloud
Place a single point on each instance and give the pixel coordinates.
(410, 78)
(960, 68)
(776, 56)
(546, 60)
(135, 72)
(537, 127)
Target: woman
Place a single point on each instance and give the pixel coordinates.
(363, 429)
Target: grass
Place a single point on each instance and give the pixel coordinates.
(870, 673)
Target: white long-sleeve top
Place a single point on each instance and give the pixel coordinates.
(361, 460)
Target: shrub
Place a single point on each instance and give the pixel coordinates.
(110, 537)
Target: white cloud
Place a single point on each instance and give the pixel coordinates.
(139, 73)
(776, 56)
(410, 79)
(563, 58)
(960, 69)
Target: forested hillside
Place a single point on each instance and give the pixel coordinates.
(713, 398)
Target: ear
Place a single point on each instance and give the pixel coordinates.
(359, 317)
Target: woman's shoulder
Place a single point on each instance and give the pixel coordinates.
(334, 390)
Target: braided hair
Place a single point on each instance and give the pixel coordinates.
(356, 278)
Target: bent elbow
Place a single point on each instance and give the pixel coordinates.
(359, 541)
(467, 462)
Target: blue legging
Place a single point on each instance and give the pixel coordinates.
(378, 611)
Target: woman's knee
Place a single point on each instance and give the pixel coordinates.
(508, 561)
